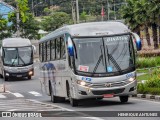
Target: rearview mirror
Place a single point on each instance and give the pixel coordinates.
(34, 49)
(137, 41)
(70, 47)
(1, 52)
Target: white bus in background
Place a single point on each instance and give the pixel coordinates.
(89, 60)
(16, 58)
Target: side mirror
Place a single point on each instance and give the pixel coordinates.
(1, 52)
(70, 47)
(34, 49)
(137, 41)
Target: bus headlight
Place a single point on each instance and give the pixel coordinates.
(80, 82)
(7, 74)
(30, 73)
(131, 79)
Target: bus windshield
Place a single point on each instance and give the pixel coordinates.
(17, 56)
(104, 55)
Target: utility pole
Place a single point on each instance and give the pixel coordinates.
(114, 10)
(33, 7)
(73, 11)
(77, 11)
(108, 9)
(18, 20)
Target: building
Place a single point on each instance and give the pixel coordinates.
(5, 9)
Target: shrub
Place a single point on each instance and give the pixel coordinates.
(147, 62)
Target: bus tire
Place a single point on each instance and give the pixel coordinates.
(123, 99)
(54, 99)
(1, 76)
(73, 102)
(29, 77)
(6, 78)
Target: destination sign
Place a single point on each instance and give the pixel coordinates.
(117, 38)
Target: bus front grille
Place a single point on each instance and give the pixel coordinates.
(102, 92)
(109, 84)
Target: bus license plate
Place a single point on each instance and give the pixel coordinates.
(19, 75)
(108, 95)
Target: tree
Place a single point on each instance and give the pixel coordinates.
(128, 13)
(28, 27)
(154, 12)
(83, 16)
(55, 20)
(142, 18)
(4, 28)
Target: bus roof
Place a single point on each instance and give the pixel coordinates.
(89, 29)
(15, 42)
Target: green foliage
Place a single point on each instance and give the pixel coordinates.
(47, 11)
(22, 9)
(83, 16)
(28, 29)
(152, 85)
(55, 20)
(147, 62)
(4, 29)
(142, 89)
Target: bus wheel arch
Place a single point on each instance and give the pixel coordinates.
(49, 87)
(73, 101)
(54, 99)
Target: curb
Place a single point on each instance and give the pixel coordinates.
(148, 97)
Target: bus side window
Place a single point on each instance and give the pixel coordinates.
(53, 50)
(48, 50)
(58, 48)
(63, 50)
(41, 52)
(44, 52)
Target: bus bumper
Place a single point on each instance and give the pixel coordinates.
(84, 92)
(19, 74)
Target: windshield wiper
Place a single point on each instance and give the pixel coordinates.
(22, 60)
(99, 60)
(113, 60)
(97, 64)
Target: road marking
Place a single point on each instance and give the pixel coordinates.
(63, 108)
(93, 118)
(12, 110)
(2, 96)
(17, 94)
(35, 93)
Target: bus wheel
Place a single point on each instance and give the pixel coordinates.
(73, 102)
(54, 99)
(29, 77)
(123, 99)
(6, 78)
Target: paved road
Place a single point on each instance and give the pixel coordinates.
(27, 95)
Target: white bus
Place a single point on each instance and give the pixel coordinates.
(16, 58)
(89, 60)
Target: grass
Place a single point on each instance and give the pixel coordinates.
(142, 70)
(143, 77)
